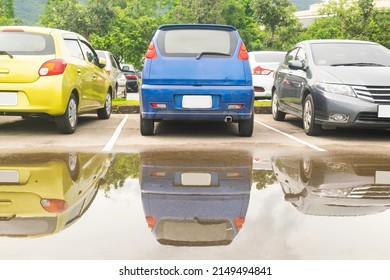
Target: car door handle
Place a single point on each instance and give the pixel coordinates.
(94, 77)
(290, 73)
(78, 71)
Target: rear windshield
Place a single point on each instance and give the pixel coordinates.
(192, 42)
(24, 43)
(335, 54)
(269, 57)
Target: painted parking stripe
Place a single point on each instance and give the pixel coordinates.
(292, 137)
(110, 144)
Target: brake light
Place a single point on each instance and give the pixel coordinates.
(151, 53)
(243, 54)
(151, 221)
(131, 77)
(261, 71)
(239, 221)
(53, 67)
(54, 205)
(13, 30)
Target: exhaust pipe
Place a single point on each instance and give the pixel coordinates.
(228, 119)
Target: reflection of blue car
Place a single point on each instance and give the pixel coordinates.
(195, 201)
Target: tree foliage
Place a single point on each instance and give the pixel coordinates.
(7, 13)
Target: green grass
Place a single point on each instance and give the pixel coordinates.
(122, 101)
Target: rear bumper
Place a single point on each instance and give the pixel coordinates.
(223, 100)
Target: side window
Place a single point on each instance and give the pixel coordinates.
(74, 48)
(89, 53)
(301, 56)
(290, 55)
(113, 62)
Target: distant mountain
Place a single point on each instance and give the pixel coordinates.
(30, 10)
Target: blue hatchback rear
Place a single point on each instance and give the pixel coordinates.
(197, 72)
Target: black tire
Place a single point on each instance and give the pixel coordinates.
(105, 112)
(308, 116)
(276, 113)
(245, 127)
(146, 126)
(67, 122)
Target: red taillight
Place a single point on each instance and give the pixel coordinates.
(243, 54)
(151, 221)
(54, 205)
(108, 72)
(239, 221)
(151, 53)
(261, 71)
(12, 30)
(131, 77)
(53, 67)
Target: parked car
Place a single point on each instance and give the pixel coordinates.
(130, 72)
(50, 72)
(334, 83)
(263, 65)
(195, 201)
(42, 194)
(197, 72)
(113, 70)
(335, 185)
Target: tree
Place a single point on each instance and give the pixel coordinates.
(7, 13)
(276, 17)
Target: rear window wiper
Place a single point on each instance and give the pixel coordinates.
(359, 64)
(211, 53)
(6, 53)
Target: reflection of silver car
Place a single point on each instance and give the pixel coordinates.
(335, 186)
(118, 79)
(263, 65)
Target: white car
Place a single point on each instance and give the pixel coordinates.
(263, 65)
(113, 69)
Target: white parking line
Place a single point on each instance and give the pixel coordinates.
(292, 137)
(110, 144)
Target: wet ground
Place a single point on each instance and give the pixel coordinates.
(213, 204)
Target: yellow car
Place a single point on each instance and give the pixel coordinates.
(51, 72)
(42, 194)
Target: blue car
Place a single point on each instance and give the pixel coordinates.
(197, 72)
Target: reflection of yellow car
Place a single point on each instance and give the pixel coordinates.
(45, 193)
(49, 72)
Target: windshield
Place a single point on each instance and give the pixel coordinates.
(24, 43)
(195, 42)
(350, 54)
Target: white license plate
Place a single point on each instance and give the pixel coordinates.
(9, 176)
(8, 98)
(383, 111)
(197, 101)
(382, 177)
(196, 179)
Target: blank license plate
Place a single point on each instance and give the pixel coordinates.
(384, 111)
(8, 98)
(382, 177)
(9, 176)
(197, 101)
(196, 179)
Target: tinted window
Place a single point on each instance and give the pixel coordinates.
(347, 53)
(291, 55)
(113, 62)
(74, 48)
(269, 57)
(24, 43)
(191, 42)
(90, 54)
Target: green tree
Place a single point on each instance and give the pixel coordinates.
(7, 13)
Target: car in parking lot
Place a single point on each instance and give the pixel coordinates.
(334, 83)
(51, 72)
(113, 70)
(197, 72)
(130, 73)
(263, 65)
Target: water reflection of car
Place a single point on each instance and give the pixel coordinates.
(335, 185)
(195, 199)
(42, 194)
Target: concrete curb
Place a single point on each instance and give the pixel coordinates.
(134, 109)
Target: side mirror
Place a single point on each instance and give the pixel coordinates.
(296, 65)
(102, 62)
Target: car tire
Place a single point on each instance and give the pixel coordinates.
(245, 127)
(308, 116)
(276, 113)
(146, 126)
(67, 122)
(105, 112)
